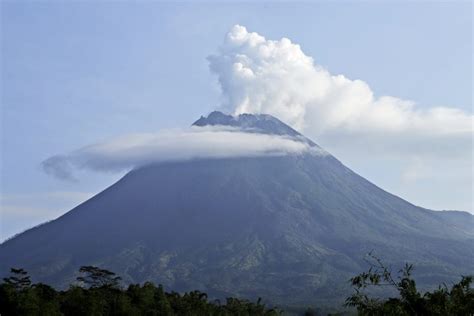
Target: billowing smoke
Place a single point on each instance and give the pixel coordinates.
(136, 150)
(257, 75)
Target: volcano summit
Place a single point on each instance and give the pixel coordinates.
(288, 228)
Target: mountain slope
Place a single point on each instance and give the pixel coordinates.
(286, 228)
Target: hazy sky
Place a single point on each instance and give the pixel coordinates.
(79, 73)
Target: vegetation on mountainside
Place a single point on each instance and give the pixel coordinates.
(98, 292)
(456, 301)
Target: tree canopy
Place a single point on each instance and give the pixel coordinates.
(456, 301)
(99, 292)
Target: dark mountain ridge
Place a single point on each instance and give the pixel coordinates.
(252, 123)
(290, 229)
(262, 123)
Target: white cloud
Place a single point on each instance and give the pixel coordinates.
(257, 75)
(136, 150)
(368, 132)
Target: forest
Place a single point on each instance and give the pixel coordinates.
(99, 292)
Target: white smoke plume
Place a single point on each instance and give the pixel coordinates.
(275, 77)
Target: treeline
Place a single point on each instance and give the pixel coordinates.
(98, 292)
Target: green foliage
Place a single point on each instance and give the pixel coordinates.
(100, 294)
(95, 277)
(19, 279)
(457, 301)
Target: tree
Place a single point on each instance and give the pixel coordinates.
(95, 277)
(18, 296)
(103, 296)
(457, 301)
(19, 280)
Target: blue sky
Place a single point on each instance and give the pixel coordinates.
(77, 73)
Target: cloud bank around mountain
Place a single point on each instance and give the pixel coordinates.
(131, 151)
(276, 77)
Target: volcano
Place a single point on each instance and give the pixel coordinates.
(289, 228)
